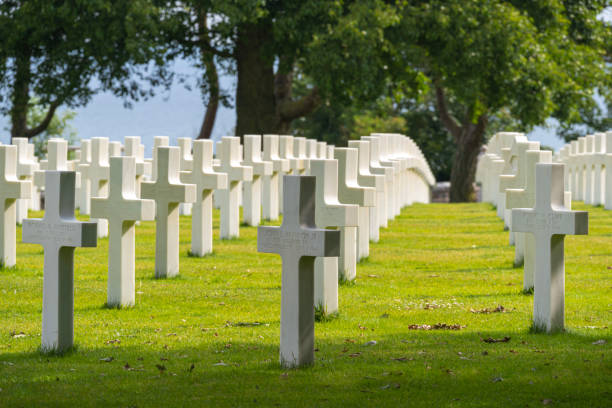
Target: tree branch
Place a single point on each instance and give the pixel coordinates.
(42, 126)
(448, 121)
(290, 109)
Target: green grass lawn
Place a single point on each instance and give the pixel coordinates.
(211, 335)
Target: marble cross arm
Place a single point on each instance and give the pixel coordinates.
(212, 180)
(312, 242)
(559, 222)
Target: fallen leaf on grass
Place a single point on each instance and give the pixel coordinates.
(107, 359)
(127, 367)
(221, 363)
(284, 375)
(546, 401)
(372, 276)
(191, 367)
(17, 335)
(430, 306)
(370, 343)
(113, 341)
(599, 342)
(438, 326)
(498, 309)
(497, 379)
(355, 354)
(387, 386)
(403, 359)
(384, 316)
(450, 372)
(245, 324)
(160, 367)
(492, 340)
(349, 341)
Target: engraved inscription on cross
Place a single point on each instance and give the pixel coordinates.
(298, 242)
(549, 221)
(122, 208)
(59, 233)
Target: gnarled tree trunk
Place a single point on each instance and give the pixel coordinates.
(468, 137)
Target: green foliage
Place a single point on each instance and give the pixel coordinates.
(65, 51)
(58, 127)
(211, 337)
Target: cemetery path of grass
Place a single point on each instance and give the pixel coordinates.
(210, 336)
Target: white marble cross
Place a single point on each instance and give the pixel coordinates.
(270, 197)
(369, 179)
(11, 189)
(99, 173)
(114, 149)
(167, 191)
(229, 156)
(251, 199)
(206, 181)
(299, 152)
(83, 168)
(134, 148)
(59, 233)
(25, 171)
(525, 198)
(377, 169)
(393, 169)
(185, 146)
(296, 165)
(122, 208)
(158, 141)
(549, 221)
(298, 242)
(329, 212)
(350, 192)
(321, 150)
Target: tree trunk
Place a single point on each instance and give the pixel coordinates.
(255, 103)
(464, 165)
(211, 77)
(21, 96)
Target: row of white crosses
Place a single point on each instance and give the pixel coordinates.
(357, 190)
(588, 168)
(530, 194)
(110, 188)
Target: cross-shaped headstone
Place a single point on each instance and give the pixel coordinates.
(299, 152)
(385, 160)
(158, 141)
(549, 221)
(296, 165)
(329, 212)
(369, 179)
(59, 233)
(122, 208)
(57, 153)
(168, 192)
(229, 156)
(251, 199)
(270, 197)
(25, 171)
(99, 173)
(392, 181)
(525, 198)
(387, 172)
(35, 199)
(298, 242)
(83, 168)
(206, 181)
(184, 144)
(350, 192)
(11, 189)
(134, 148)
(311, 149)
(321, 150)
(114, 149)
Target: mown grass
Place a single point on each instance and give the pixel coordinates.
(210, 336)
